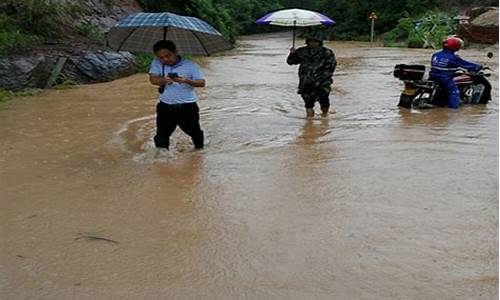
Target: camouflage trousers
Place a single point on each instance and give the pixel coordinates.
(317, 94)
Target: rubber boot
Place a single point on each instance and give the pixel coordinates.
(310, 112)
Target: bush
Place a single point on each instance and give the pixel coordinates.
(415, 40)
(427, 31)
(400, 32)
(46, 18)
(12, 37)
(63, 83)
(5, 95)
(143, 61)
(16, 41)
(91, 31)
(33, 21)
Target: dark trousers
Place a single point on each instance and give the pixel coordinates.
(186, 116)
(451, 88)
(316, 95)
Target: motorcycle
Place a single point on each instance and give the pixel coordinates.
(423, 93)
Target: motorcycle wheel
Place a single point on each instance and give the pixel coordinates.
(480, 95)
(467, 94)
(423, 100)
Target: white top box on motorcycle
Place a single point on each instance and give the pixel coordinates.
(409, 72)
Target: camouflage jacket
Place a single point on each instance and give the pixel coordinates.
(316, 67)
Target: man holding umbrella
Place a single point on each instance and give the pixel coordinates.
(317, 64)
(177, 78)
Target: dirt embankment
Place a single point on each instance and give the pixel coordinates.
(482, 26)
(487, 19)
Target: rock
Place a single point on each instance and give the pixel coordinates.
(105, 14)
(99, 66)
(85, 64)
(21, 72)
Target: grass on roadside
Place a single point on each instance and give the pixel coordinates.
(65, 85)
(7, 96)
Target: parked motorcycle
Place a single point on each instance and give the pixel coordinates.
(421, 93)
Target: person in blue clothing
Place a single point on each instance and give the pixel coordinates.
(176, 77)
(445, 63)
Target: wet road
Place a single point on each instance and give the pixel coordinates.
(372, 202)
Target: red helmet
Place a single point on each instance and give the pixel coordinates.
(453, 43)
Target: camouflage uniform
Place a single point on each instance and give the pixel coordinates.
(315, 74)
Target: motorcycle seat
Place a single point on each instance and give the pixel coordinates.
(463, 79)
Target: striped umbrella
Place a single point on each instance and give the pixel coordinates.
(295, 18)
(139, 32)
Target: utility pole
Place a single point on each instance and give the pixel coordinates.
(372, 17)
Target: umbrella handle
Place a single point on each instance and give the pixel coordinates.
(294, 28)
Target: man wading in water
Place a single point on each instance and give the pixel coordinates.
(317, 64)
(177, 78)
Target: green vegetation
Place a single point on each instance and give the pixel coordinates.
(414, 23)
(427, 31)
(230, 17)
(15, 40)
(234, 17)
(143, 61)
(352, 15)
(65, 85)
(45, 18)
(6, 96)
(26, 23)
(91, 31)
(12, 37)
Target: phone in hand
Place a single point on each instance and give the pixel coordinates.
(173, 75)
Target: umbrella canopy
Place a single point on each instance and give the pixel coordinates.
(139, 32)
(295, 17)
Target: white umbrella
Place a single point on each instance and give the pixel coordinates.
(295, 18)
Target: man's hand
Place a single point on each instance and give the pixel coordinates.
(292, 50)
(191, 82)
(181, 80)
(160, 81)
(168, 80)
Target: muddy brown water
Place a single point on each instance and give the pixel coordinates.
(371, 203)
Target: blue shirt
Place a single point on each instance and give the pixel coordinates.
(177, 93)
(445, 63)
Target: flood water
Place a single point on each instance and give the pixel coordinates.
(372, 202)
